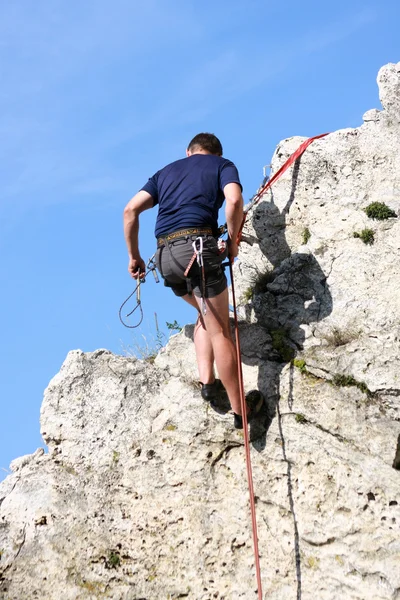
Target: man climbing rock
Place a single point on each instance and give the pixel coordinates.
(189, 193)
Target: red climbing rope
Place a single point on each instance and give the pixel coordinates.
(246, 440)
(256, 199)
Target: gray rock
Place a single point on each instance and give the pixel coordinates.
(143, 494)
(389, 90)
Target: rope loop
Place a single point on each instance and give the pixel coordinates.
(150, 268)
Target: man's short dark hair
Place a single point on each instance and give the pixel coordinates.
(206, 141)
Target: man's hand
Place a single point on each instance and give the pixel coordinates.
(134, 265)
(234, 216)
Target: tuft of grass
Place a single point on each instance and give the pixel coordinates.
(312, 562)
(152, 343)
(94, 587)
(340, 337)
(115, 457)
(306, 235)
(113, 560)
(300, 418)
(257, 285)
(70, 470)
(144, 347)
(170, 427)
(366, 235)
(379, 211)
(248, 294)
(262, 280)
(281, 345)
(349, 381)
(300, 364)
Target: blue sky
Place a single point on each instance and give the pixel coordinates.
(97, 96)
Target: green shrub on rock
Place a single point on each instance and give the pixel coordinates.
(366, 235)
(379, 211)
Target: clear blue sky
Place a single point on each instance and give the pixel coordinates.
(97, 96)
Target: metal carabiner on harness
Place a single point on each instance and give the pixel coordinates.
(151, 265)
(198, 249)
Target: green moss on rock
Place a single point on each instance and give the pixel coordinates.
(281, 345)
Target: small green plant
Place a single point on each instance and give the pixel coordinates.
(170, 427)
(281, 345)
(173, 326)
(300, 364)
(69, 469)
(312, 562)
(94, 587)
(247, 295)
(114, 560)
(257, 285)
(344, 380)
(349, 381)
(379, 211)
(160, 337)
(366, 235)
(115, 457)
(306, 235)
(300, 418)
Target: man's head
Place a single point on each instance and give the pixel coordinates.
(204, 143)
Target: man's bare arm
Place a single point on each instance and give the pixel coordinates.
(140, 202)
(234, 215)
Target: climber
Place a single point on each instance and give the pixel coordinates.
(190, 192)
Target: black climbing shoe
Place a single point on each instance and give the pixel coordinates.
(255, 402)
(237, 421)
(211, 391)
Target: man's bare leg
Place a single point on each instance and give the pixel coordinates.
(216, 322)
(203, 346)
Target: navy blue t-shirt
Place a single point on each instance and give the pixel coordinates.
(189, 192)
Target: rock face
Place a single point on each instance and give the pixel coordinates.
(143, 492)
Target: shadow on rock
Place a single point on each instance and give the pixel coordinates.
(293, 294)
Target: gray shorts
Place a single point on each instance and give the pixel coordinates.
(173, 259)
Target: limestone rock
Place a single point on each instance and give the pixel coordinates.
(389, 89)
(143, 493)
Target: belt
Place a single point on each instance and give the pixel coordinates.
(183, 233)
